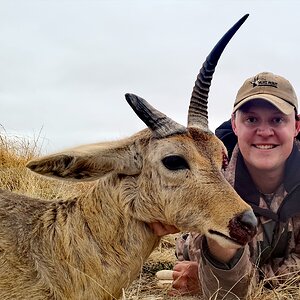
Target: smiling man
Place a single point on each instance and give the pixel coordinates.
(265, 171)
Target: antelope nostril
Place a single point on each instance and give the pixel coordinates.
(248, 220)
(243, 228)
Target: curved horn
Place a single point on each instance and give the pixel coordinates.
(160, 124)
(197, 115)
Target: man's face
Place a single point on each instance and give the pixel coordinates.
(265, 135)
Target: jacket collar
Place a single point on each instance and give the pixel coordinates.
(292, 170)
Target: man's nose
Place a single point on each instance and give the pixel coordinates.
(265, 130)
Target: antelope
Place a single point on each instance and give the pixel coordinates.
(93, 246)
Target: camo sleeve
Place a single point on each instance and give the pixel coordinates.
(188, 247)
(218, 280)
(226, 281)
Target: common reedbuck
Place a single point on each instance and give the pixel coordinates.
(91, 247)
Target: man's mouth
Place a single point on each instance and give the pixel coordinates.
(264, 147)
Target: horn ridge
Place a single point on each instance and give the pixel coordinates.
(198, 114)
(159, 123)
(200, 93)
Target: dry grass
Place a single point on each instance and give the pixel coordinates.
(15, 152)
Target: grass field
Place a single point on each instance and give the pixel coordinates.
(15, 152)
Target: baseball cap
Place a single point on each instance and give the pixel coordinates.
(269, 87)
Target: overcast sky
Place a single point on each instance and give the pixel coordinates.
(66, 65)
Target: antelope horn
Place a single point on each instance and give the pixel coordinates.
(160, 124)
(197, 115)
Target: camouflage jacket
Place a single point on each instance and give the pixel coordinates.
(273, 255)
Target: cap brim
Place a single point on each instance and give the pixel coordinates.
(279, 103)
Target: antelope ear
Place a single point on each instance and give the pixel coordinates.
(89, 162)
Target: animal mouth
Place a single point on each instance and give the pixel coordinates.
(242, 228)
(213, 232)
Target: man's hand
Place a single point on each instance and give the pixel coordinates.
(185, 279)
(162, 229)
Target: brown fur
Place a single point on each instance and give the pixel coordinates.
(92, 247)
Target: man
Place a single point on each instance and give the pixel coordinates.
(265, 171)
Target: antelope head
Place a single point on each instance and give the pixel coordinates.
(168, 172)
(202, 154)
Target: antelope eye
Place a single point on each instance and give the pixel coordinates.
(175, 162)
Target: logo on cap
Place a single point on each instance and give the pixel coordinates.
(263, 82)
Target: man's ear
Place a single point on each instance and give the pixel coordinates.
(297, 126)
(233, 123)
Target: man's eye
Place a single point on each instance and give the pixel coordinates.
(175, 162)
(251, 119)
(278, 120)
